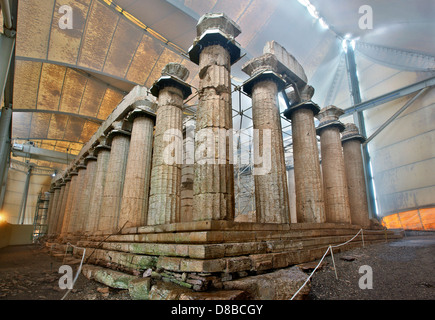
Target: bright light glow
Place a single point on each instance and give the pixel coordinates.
(312, 10)
(352, 43)
(347, 36)
(323, 24)
(304, 2)
(344, 45)
(2, 218)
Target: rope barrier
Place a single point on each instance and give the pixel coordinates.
(332, 255)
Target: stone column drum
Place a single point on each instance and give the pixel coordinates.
(72, 190)
(271, 189)
(351, 140)
(187, 172)
(310, 206)
(85, 196)
(114, 185)
(50, 207)
(134, 205)
(214, 50)
(75, 207)
(59, 212)
(171, 90)
(53, 213)
(334, 177)
(60, 221)
(102, 152)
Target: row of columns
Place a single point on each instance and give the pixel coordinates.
(133, 177)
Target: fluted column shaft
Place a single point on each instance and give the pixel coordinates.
(213, 186)
(334, 176)
(134, 205)
(271, 190)
(164, 202)
(63, 205)
(85, 197)
(53, 213)
(103, 155)
(75, 206)
(354, 167)
(71, 193)
(114, 184)
(59, 213)
(310, 205)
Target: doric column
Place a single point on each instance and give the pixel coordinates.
(67, 182)
(102, 152)
(59, 213)
(134, 205)
(50, 207)
(271, 190)
(87, 189)
(75, 206)
(351, 140)
(171, 90)
(53, 212)
(67, 216)
(310, 206)
(187, 173)
(215, 50)
(119, 139)
(334, 176)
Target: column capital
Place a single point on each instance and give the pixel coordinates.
(100, 147)
(301, 99)
(328, 117)
(215, 29)
(173, 75)
(142, 108)
(261, 69)
(351, 132)
(116, 132)
(90, 158)
(73, 173)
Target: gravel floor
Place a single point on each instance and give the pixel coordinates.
(401, 270)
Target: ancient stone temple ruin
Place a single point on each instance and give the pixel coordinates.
(166, 229)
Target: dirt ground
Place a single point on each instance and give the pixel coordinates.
(402, 270)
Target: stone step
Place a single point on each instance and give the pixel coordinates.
(209, 251)
(257, 261)
(209, 237)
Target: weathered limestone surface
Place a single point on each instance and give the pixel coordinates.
(187, 173)
(114, 183)
(63, 206)
(134, 205)
(278, 285)
(52, 218)
(59, 213)
(75, 208)
(334, 176)
(85, 196)
(351, 140)
(102, 152)
(271, 190)
(68, 207)
(50, 208)
(164, 201)
(310, 205)
(213, 196)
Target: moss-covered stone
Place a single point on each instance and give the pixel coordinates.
(139, 288)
